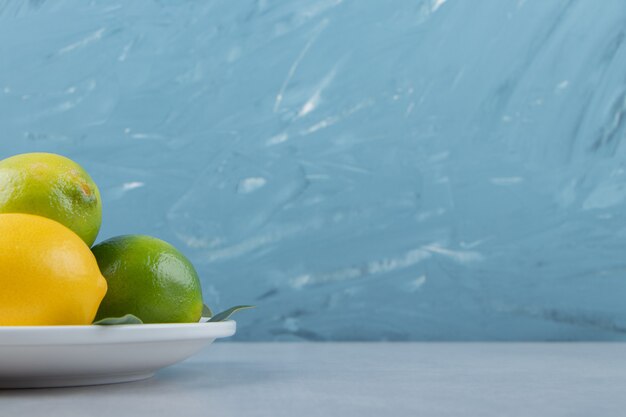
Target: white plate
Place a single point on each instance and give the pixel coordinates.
(56, 356)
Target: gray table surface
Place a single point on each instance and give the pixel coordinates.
(358, 379)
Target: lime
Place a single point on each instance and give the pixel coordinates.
(148, 278)
(48, 275)
(51, 186)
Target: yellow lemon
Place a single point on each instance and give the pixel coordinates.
(48, 275)
(51, 186)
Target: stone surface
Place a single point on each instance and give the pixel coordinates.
(360, 170)
(358, 380)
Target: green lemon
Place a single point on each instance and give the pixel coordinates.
(148, 278)
(51, 186)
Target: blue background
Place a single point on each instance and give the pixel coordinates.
(360, 170)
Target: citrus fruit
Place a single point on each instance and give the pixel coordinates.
(51, 186)
(148, 278)
(48, 275)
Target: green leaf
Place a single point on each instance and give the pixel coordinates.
(224, 315)
(206, 311)
(114, 321)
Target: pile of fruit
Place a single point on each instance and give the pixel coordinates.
(50, 215)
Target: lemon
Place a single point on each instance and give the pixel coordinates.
(48, 275)
(148, 278)
(51, 186)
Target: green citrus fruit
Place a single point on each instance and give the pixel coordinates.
(51, 186)
(148, 278)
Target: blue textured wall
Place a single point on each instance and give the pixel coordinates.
(358, 169)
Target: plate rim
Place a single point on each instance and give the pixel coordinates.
(124, 333)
